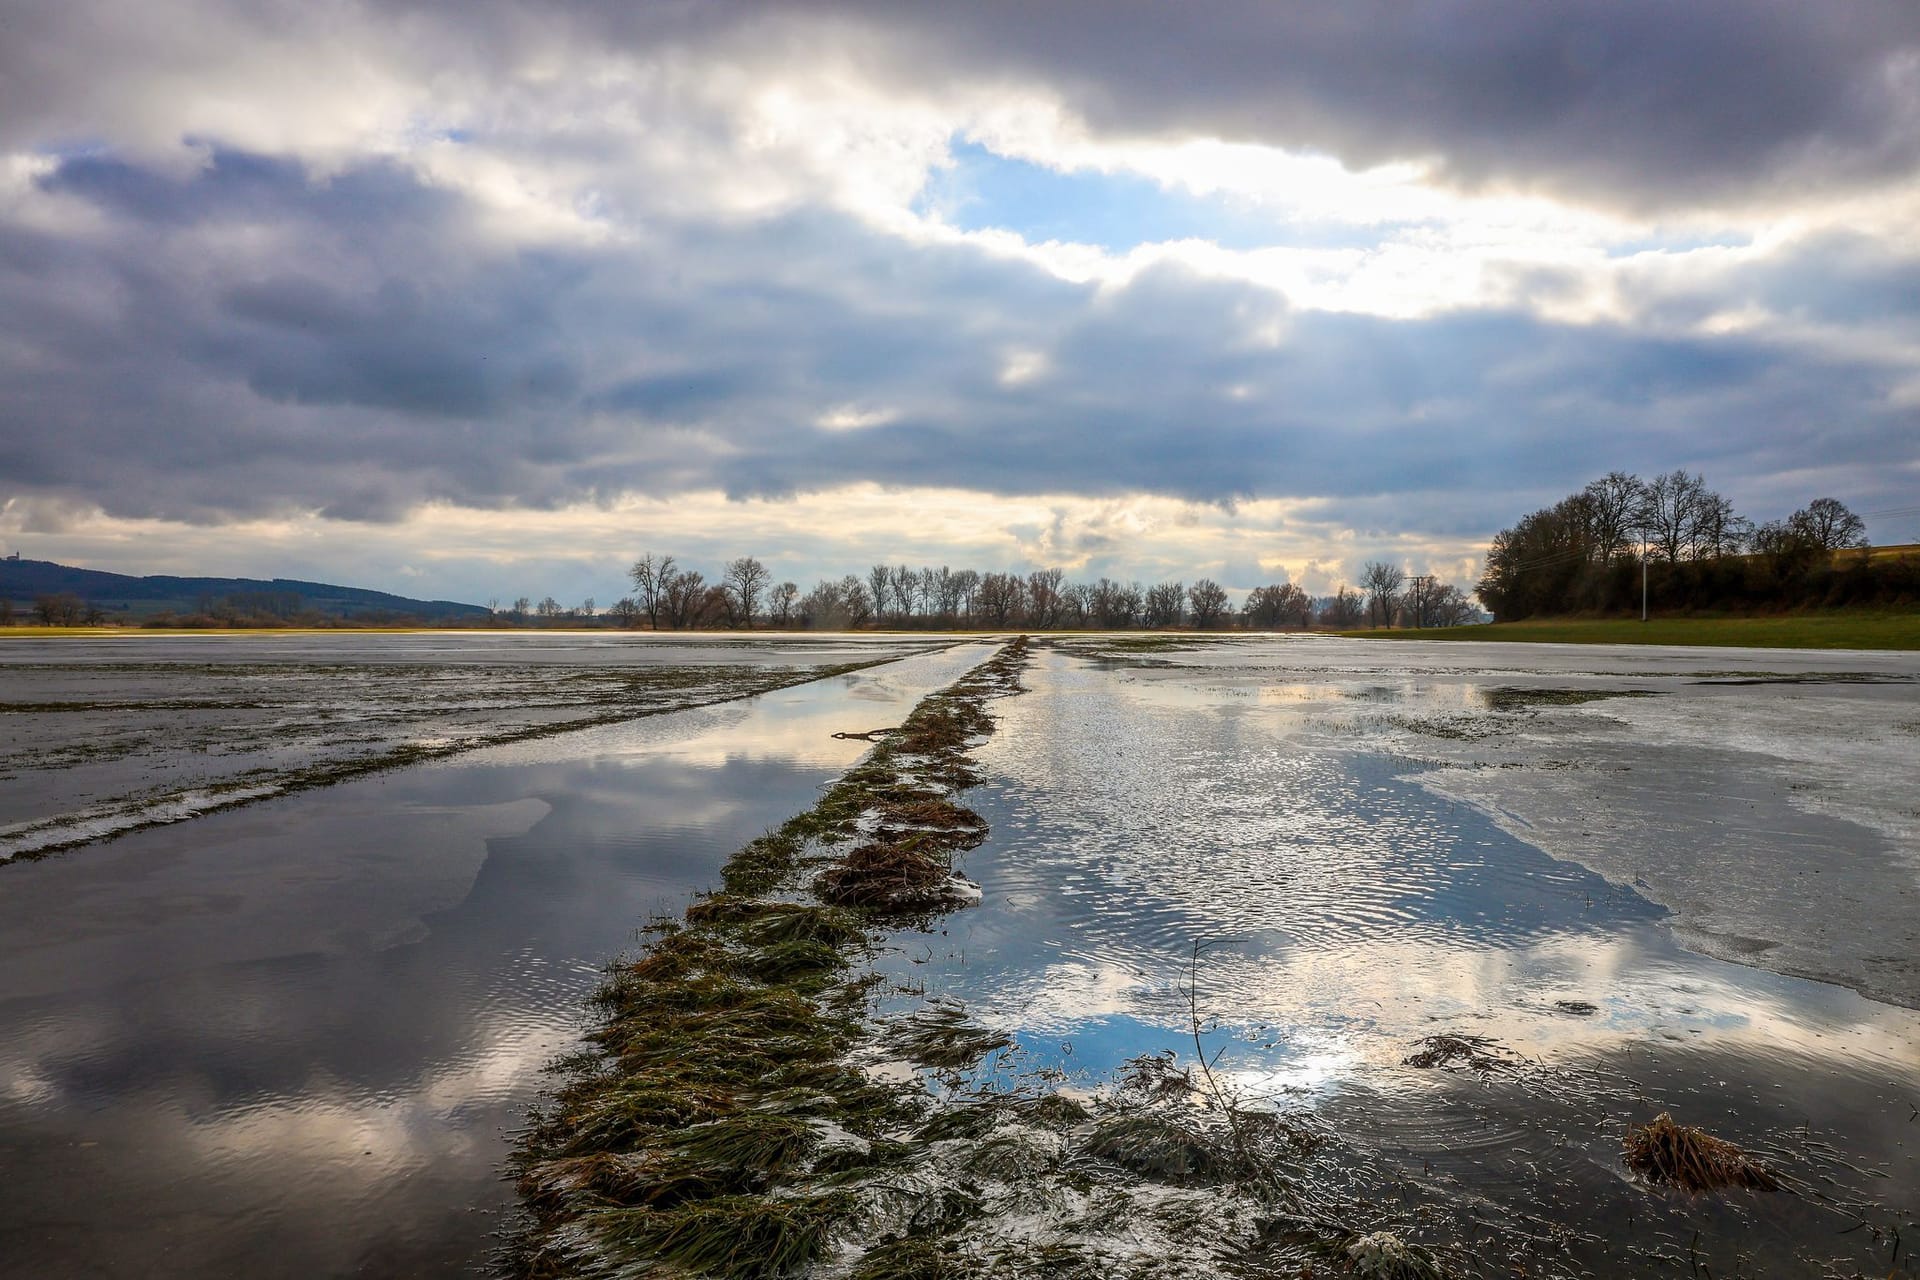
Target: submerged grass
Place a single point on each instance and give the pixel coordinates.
(715, 1124)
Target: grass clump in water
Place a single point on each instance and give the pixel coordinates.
(1665, 1151)
(1449, 1051)
(715, 1122)
(901, 878)
(1155, 1146)
(941, 1037)
(1381, 1255)
(738, 1237)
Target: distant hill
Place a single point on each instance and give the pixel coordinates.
(117, 594)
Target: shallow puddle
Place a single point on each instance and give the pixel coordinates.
(289, 1039)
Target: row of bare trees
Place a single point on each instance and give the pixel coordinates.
(61, 609)
(669, 597)
(1569, 557)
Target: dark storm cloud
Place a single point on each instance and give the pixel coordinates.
(254, 338)
(1645, 103)
(1641, 103)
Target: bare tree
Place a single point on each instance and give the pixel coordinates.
(1445, 605)
(1000, 599)
(1673, 510)
(1382, 583)
(715, 608)
(1343, 610)
(946, 594)
(857, 602)
(1209, 601)
(1829, 525)
(1717, 529)
(965, 583)
(1043, 597)
(1281, 605)
(906, 589)
(1165, 604)
(651, 579)
(746, 580)
(1076, 604)
(880, 588)
(928, 587)
(1616, 513)
(59, 609)
(1113, 605)
(784, 596)
(682, 599)
(625, 611)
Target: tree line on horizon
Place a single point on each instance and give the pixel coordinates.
(667, 597)
(1596, 549)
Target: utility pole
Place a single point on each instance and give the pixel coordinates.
(1420, 582)
(1643, 576)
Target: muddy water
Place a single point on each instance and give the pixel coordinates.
(1273, 806)
(287, 1040)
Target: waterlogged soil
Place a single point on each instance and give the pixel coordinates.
(1461, 919)
(105, 735)
(292, 1039)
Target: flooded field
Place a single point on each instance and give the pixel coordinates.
(289, 1039)
(1451, 917)
(1466, 913)
(99, 736)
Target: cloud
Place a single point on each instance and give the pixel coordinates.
(1642, 103)
(250, 338)
(364, 262)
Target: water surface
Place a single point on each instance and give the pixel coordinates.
(289, 1039)
(1247, 844)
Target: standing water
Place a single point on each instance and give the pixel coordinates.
(291, 1038)
(1267, 846)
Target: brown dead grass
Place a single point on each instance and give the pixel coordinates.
(1446, 1052)
(934, 812)
(888, 878)
(1680, 1155)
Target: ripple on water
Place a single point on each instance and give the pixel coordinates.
(1345, 912)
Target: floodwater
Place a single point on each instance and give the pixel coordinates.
(289, 1039)
(1319, 853)
(104, 735)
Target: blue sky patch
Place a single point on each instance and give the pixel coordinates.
(984, 190)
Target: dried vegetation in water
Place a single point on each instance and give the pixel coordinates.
(1452, 1052)
(1679, 1155)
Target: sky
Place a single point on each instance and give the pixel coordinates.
(485, 299)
